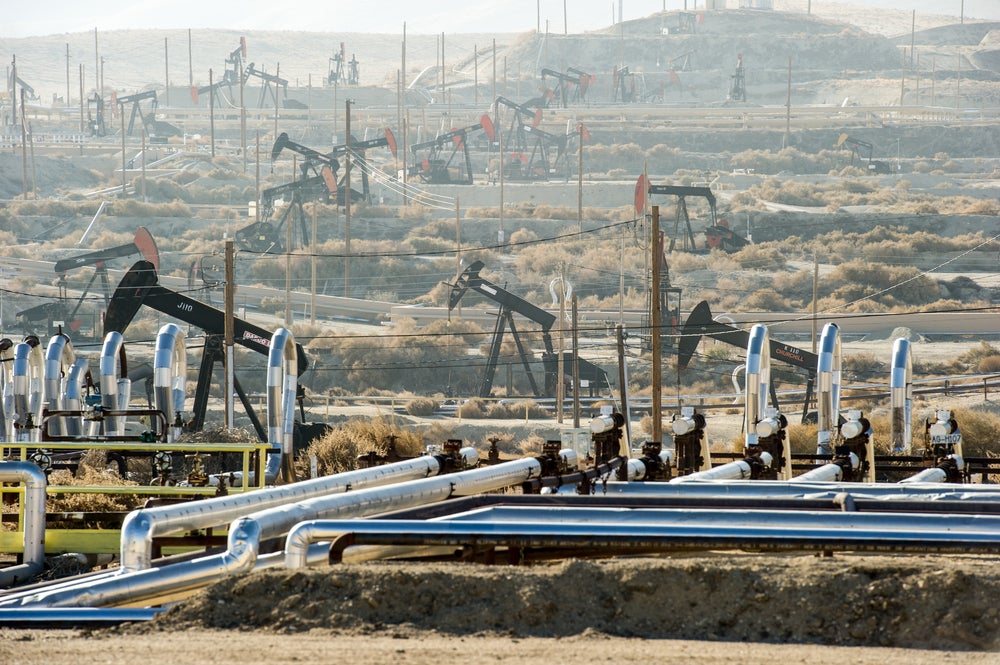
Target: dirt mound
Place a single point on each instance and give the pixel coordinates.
(916, 602)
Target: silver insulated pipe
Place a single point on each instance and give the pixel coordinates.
(34, 521)
(738, 470)
(246, 534)
(282, 384)
(29, 366)
(828, 388)
(59, 356)
(170, 373)
(6, 392)
(115, 388)
(73, 395)
(901, 397)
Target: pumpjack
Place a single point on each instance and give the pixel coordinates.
(267, 80)
(206, 274)
(318, 181)
(511, 304)
(143, 244)
(148, 120)
(342, 70)
(857, 146)
(579, 83)
(700, 323)
(520, 160)
(623, 81)
(586, 81)
(539, 154)
(727, 241)
(434, 168)
(140, 286)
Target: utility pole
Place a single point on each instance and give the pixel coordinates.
(82, 125)
(788, 103)
(228, 330)
(561, 346)
(347, 204)
(576, 365)
(579, 178)
(211, 111)
(97, 65)
(166, 72)
(190, 62)
(656, 331)
(67, 77)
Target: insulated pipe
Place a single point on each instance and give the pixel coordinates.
(141, 526)
(73, 395)
(828, 388)
(738, 470)
(793, 488)
(29, 365)
(6, 388)
(901, 397)
(111, 382)
(33, 549)
(245, 535)
(282, 385)
(170, 373)
(59, 356)
(617, 536)
(832, 472)
(936, 474)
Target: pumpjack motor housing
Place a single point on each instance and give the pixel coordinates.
(855, 433)
(945, 445)
(689, 432)
(606, 433)
(771, 439)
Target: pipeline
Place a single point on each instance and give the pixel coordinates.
(59, 356)
(29, 366)
(73, 396)
(764, 425)
(827, 388)
(901, 397)
(246, 534)
(34, 521)
(6, 388)
(941, 473)
(832, 472)
(738, 470)
(170, 374)
(774, 488)
(617, 536)
(282, 385)
(115, 385)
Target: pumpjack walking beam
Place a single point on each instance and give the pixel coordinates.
(509, 305)
(434, 169)
(700, 323)
(140, 286)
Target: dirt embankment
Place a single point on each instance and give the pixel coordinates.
(913, 602)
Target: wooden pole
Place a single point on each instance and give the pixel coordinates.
(347, 205)
(229, 327)
(576, 364)
(656, 328)
(312, 265)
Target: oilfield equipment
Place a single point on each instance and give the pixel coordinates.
(574, 80)
(436, 166)
(318, 181)
(591, 502)
(510, 304)
(717, 232)
(343, 71)
(862, 151)
(58, 316)
(157, 130)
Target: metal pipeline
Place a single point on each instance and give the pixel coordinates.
(832, 472)
(738, 470)
(246, 533)
(73, 395)
(936, 474)
(59, 356)
(617, 536)
(282, 385)
(901, 397)
(29, 366)
(775, 488)
(827, 388)
(6, 388)
(33, 549)
(115, 385)
(170, 374)
(75, 617)
(758, 380)
(141, 526)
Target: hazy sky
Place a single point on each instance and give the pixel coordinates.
(421, 16)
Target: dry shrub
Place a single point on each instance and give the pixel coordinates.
(989, 365)
(976, 354)
(513, 410)
(531, 446)
(473, 408)
(801, 438)
(422, 406)
(93, 469)
(338, 450)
